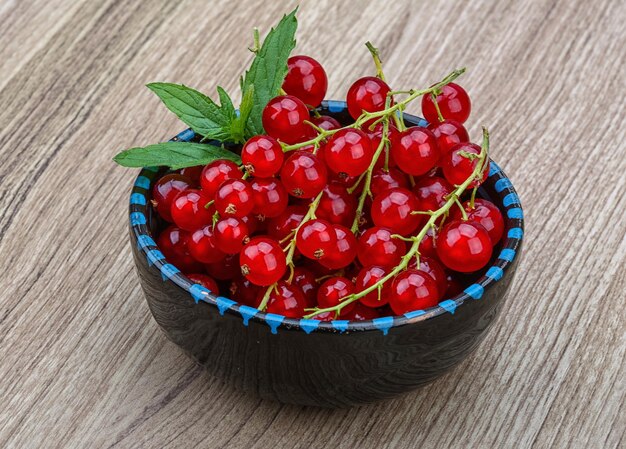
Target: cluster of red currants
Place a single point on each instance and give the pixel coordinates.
(320, 218)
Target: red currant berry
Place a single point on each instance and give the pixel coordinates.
(202, 246)
(485, 213)
(316, 239)
(427, 245)
(415, 150)
(306, 79)
(164, 191)
(224, 269)
(376, 135)
(435, 270)
(362, 313)
(231, 234)
(262, 156)
(305, 279)
(188, 209)
(413, 290)
(245, 292)
(214, 174)
(377, 247)
(284, 117)
(333, 292)
(337, 205)
(270, 197)
(455, 286)
(368, 277)
(453, 102)
(303, 175)
(262, 261)
(206, 281)
(173, 243)
(464, 246)
(392, 209)
(384, 180)
(348, 151)
(367, 94)
(431, 192)
(448, 133)
(193, 174)
(254, 224)
(345, 250)
(325, 316)
(234, 197)
(280, 227)
(326, 122)
(287, 300)
(457, 167)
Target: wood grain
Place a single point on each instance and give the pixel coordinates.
(84, 365)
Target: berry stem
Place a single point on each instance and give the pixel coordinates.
(376, 55)
(439, 114)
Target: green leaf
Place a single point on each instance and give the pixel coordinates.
(197, 110)
(269, 68)
(238, 128)
(174, 155)
(226, 103)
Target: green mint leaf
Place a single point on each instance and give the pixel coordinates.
(238, 128)
(174, 155)
(269, 68)
(226, 103)
(196, 110)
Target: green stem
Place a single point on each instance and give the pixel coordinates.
(376, 55)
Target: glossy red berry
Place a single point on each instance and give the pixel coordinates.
(377, 247)
(262, 156)
(215, 173)
(325, 316)
(193, 174)
(367, 94)
(485, 213)
(306, 79)
(303, 175)
(231, 234)
(234, 197)
(206, 281)
(262, 261)
(270, 197)
(345, 249)
(413, 290)
(287, 300)
(392, 209)
(457, 167)
(333, 292)
(464, 246)
(431, 192)
(362, 313)
(305, 279)
(284, 117)
(164, 191)
(436, 271)
(245, 292)
(202, 246)
(366, 278)
(337, 205)
(453, 102)
(316, 239)
(224, 269)
(448, 133)
(415, 150)
(326, 122)
(348, 151)
(188, 209)
(281, 226)
(376, 134)
(173, 243)
(427, 245)
(384, 180)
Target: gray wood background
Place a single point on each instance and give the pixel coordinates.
(82, 364)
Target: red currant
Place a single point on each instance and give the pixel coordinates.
(376, 246)
(284, 117)
(231, 234)
(376, 135)
(262, 261)
(316, 239)
(415, 150)
(453, 102)
(427, 245)
(188, 209)
(202, 246)
(431, 192)
(224, 269)
(345, 250)
(325, 316)
(262, 156)
(303, 175)
(337, 205)
(245, 292)
(366, 278)
(392, 209)
(348, 151)
(287, 300)
(362, 313)
(384, 180)
(326, 122)
(464, 246)
(280, 227)
(413, 290)
(434, 268)
(234, 197)
(455, 286)
(448, 133)
(214, 174)
(173, 243)
(270, 197)
(367, 94)
(305, 279)
(333, 292)
(164, 191)
(485, 213)
(306, 79)
(206, 281)
(457, 167)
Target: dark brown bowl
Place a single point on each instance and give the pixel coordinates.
(329, 364)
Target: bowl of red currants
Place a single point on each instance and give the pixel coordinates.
(319, 252)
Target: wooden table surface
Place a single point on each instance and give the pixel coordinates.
(82, 363)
